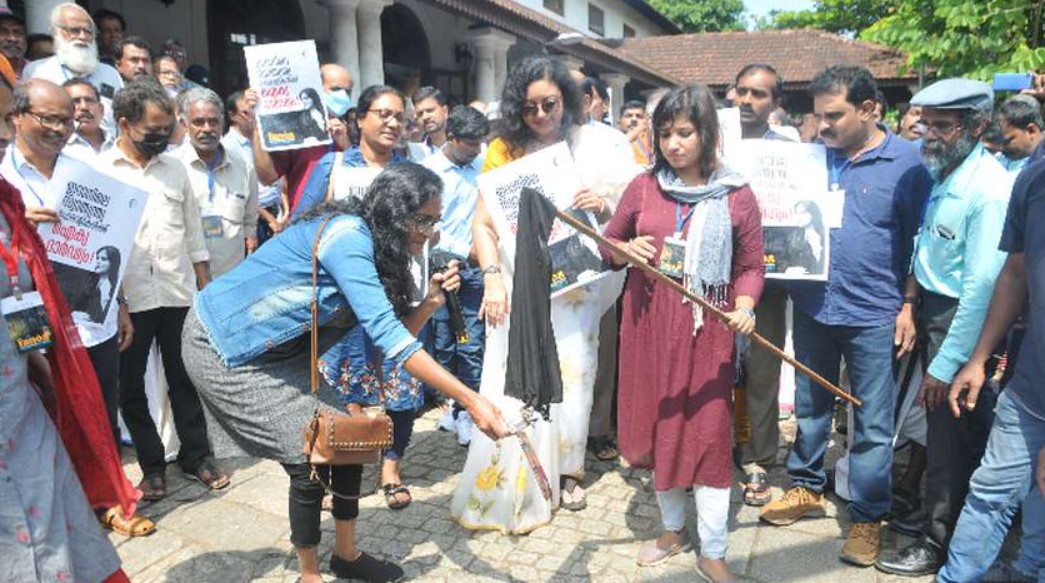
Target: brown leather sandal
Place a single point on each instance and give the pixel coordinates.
(134, 526)
(154, 488)
(209, 476)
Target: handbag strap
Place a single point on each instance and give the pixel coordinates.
(314, 329)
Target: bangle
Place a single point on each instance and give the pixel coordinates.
(121, 300)
(492, 270)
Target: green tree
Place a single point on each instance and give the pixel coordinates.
(840, 16)
(702, 15)
(974, 38)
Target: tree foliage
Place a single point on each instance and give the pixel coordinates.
(973, 38)
(702, 15)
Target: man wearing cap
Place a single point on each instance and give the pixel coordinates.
(12, 38)
(956, 263)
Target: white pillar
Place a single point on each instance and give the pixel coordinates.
(491, 61)
(371, 55)
(38, 15)
(616, 83)
(344, 41)
(572, 63)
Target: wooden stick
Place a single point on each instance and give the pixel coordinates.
(675, 285)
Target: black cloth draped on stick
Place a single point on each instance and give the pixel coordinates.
(533, 374)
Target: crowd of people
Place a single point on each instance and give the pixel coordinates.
(934, 274)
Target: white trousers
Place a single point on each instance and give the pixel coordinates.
(712, 516)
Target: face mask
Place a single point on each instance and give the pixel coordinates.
(338, 102)
(152, 145)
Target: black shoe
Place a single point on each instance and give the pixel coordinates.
(365, 568)
(920, 558)
(910, 525)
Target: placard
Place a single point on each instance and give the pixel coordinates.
(290, 110)
(90, 246)
(575, 259)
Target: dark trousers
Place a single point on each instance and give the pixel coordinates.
(763, 383)
(164, 326)
(602, 421)
(306, 499)
(464, 361)
(105, 358)
(402, 431)
(954, 446)
(264, 232)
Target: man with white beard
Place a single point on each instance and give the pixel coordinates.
(76, 55)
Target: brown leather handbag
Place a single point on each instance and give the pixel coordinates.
(342, 439)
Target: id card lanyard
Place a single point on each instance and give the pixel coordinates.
(837, 169)
(10, 257)
(680, 220)
(14, 162)
(210, 178)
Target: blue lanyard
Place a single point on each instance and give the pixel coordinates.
(14, 162)
(210, 177)
(680, 221)
(836, 169)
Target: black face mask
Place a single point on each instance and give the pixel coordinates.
(152, 145)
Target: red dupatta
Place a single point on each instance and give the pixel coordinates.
(80, 411)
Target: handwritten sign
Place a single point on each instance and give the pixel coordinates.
(290, 110)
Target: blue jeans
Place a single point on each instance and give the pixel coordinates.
(465, 361)
(868, 353)
(1004, 480)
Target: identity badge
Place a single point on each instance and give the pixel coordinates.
(27, 322)
(673, 257)
(212, 226)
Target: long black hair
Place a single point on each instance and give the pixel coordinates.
(395, 195)
(698, 104)
(536, 68)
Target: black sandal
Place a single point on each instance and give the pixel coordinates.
(391, 491)
(604, 448)
(756, 489)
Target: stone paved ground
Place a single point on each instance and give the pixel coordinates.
(241, 533)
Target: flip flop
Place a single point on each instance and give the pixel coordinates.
(604, 449)
(135, 526)
(756, 489)
(572, 496)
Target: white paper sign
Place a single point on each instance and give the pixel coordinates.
(290, 110)
(90, 245)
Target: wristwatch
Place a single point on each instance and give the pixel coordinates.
(493, 269)
(910, 299)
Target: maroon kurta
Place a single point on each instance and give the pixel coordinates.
(675, 398)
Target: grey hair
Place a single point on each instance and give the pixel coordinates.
(195, 95)
(56, 16)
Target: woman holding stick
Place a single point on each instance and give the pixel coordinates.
(700, 223)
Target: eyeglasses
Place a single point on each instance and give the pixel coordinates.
(387, 115)
(547, 106)
(940, 128)
(52, 122)
(423, 223)
(75, 31)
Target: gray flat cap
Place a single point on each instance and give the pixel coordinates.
(956, 93)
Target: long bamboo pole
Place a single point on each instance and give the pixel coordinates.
(653, 272)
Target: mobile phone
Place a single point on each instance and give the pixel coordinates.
(1013, 81)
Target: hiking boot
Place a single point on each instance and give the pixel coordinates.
(797, 502)
(862, 545)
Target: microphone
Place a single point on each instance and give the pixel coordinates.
(440, 261)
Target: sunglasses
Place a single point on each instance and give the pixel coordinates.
(547, 106)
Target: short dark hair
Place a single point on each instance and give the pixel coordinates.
(857, 83)
(80, 81)
(698, 104)
(130, 101)
(467, 123)
(595, 85)
(778, 85)
(134, 41)
(429, 91)
(1021, 111)
(231, 100)
(370, 95)
(632, 104)
(880, 99)
(513, 97)
(106, 14)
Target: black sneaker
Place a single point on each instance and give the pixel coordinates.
(365, 568)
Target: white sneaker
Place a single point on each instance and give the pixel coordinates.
(464, 426)
(446, 422)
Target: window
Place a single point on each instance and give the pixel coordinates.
(596, 20)
(556, 6)
(629, 32)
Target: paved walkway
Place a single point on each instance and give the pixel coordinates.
(241, 533)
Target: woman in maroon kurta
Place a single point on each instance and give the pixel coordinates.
(676, 370)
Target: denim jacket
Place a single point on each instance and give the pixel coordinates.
(265, 301)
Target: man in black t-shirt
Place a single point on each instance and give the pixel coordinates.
(1003, 480)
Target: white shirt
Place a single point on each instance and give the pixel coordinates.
(268, 196)
(228, 201)
(36, 191)
(169, 239)
(81, 149)
(105, 79)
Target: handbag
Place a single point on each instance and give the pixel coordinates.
(342, 439)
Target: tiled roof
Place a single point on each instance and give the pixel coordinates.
(798, 55)
(532, 25)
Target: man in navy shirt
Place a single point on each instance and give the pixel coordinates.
(1003, 480)
(859, 313)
